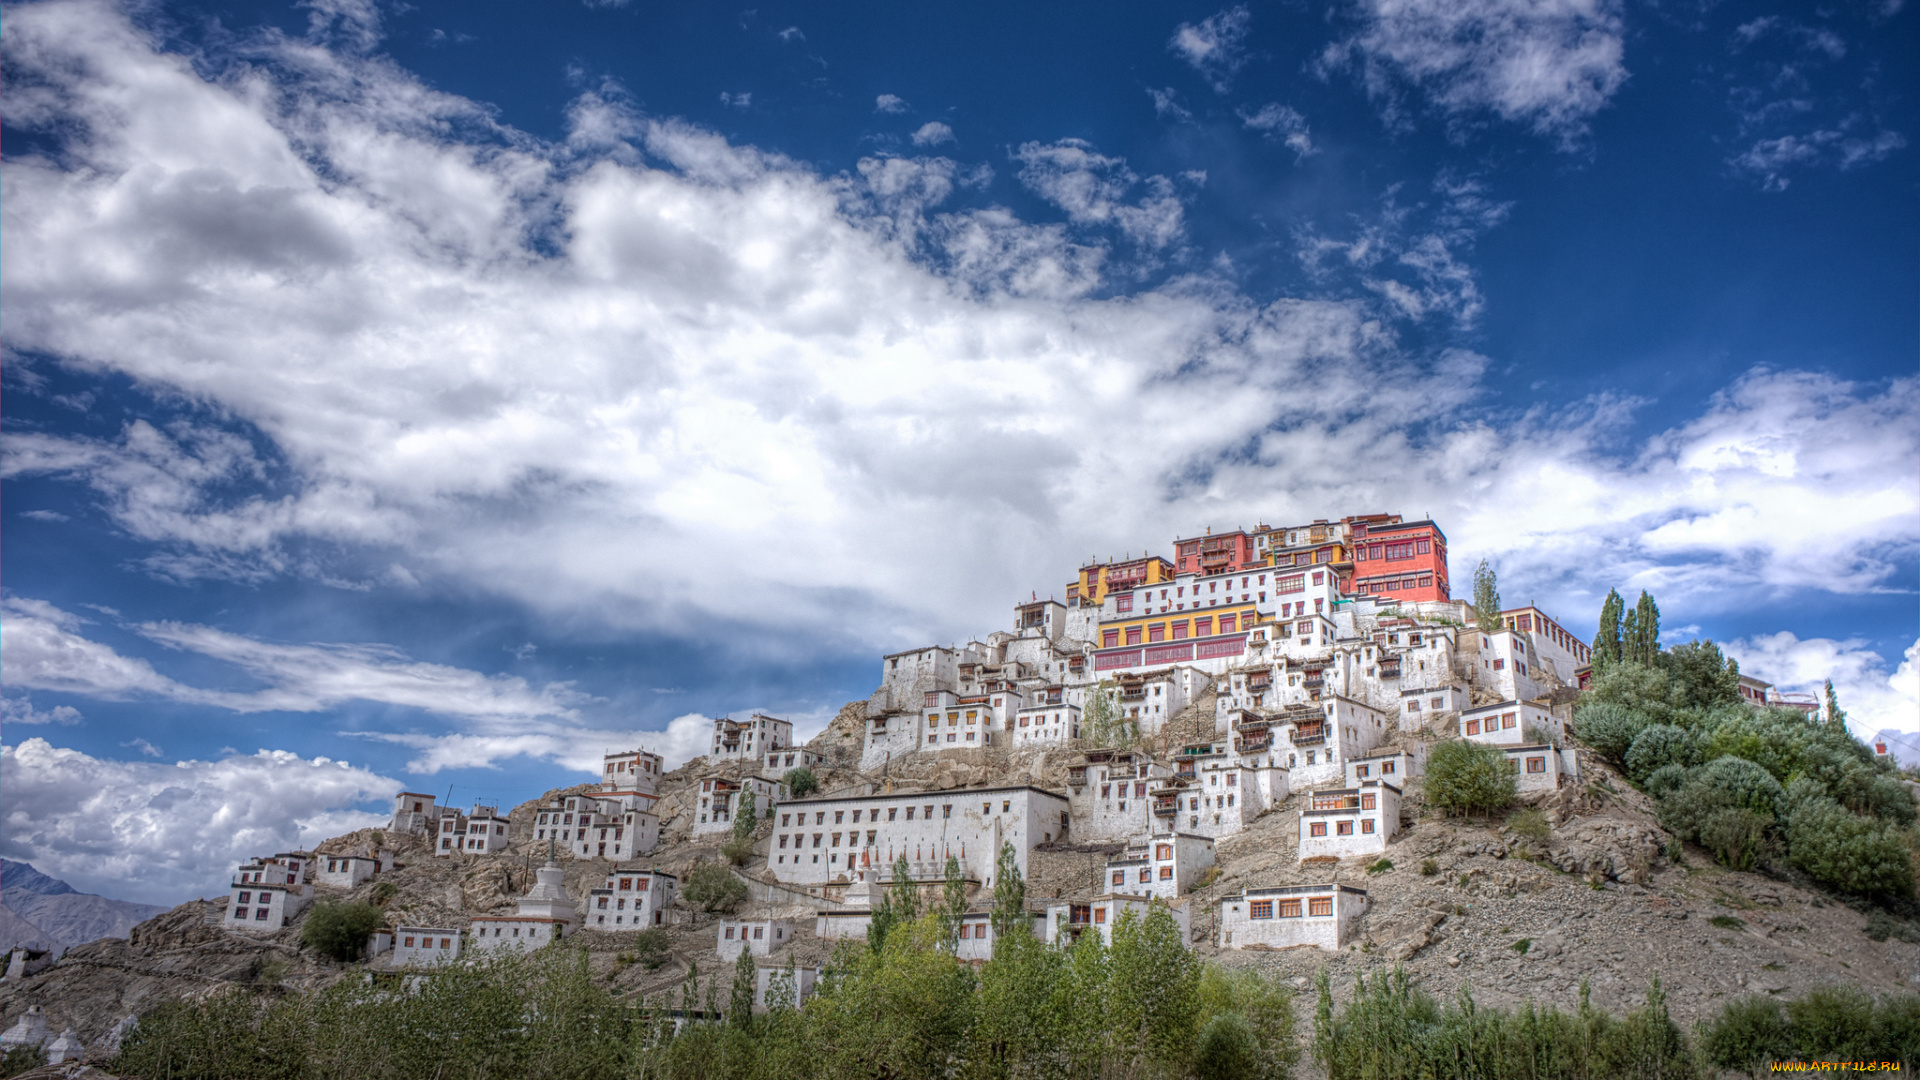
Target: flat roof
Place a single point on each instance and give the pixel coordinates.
(947, 793)
(1283, 890)
(1375, 530)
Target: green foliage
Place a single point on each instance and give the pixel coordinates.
(18, 1059)
(1150, 990)
(1657, 746)
(1486, 598)
(1853, 854)
(1736, 836)
(1606, 639)
(1522, 946)
(1264, 1004)
(1380, 867)
(901, 1011)
(953, 902)
(1227, 1049)
(1469, 778)
(899, 903)
(1009, 895)
(383, 891)
(800, 782)
(1665, 780)
(1392, 1031)
(1706, 677)
(713, 887)
(747, 817)
(1728, 922)
(740, 1003)
(1746, 1035)
(1728, 806)
(1836, 1023)
(1641, 634)
(1429, 867)
(1608, 726)
(1881, 926)
(1530, 823)
(1836, 719)
(340, 931)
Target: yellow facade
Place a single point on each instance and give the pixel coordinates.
(1245, 615)
(1091, 586)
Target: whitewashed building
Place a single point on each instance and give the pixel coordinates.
(1324, 916)
(631, 770)
(1420, 706)
(758, 936)
(1046, 724)
(425, 946)
(792, 757)
(414, 814)
(1394, 766)
(267, 893)
(818, 841)
(721, 798)
(546, 914)
(632, 899)
(1504, 664)
(771, 980)
(977, 939)
(1068, 919)
(600, 825)
(1509, 722)
(1108, 792)
(483, 832)
(1166, 865)
(1538, 768)
(1346, 822)
(750, 739)
(349, 871)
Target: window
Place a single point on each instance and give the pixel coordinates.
(1179, 630)
(1260, 909)
(1157, 632)
(1320, 906)
(1362, 771)
(1133, 635)
(1366, 802)
(1318, 828)
(409, 943)
(1473, 727)
(1292, 583)
(1146, 875)
(1289, 909)
(1536, 764)
(246, 898)
(1344, 828)
(1366, 826)
(1123, 602)
(1506, 720)
(1119, 877)
(1203, 627)
(1109, 638)
(260, 914)
(1100, 914)
(1166, 873)
(1226, 624)
(1386, 768)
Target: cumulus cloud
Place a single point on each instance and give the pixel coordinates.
(653, 380)
(20, 710)
(1282, 122)
(1215, 46)
(932, 133)
(890, 103)
(163, 833)
(1548, 65)
(1873, 698)
(1092, 189)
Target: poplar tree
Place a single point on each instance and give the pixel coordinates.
(1009, 896)
(955, 903)
(740, 1009)
(1836, 720)
(1606, 638)
(1486, 597)
(1646, 631)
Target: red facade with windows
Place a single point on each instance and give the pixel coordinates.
(1401, 561)
(1215, 553)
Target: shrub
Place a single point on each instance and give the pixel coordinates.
(801, 782)
(1852, 854)
(713, 887)
(1665, 780)
(340, 931)
(1428, 867)
(383, 891)
(1608, 727)
(18, 1059)
(1736, 836)
(1531, 824)
(1469, 778)
(1657, 746)
(738, 850)
(1748, 1033)
(1699, 809)
(1881, 926)
(1380, 867)
(1226, 1050)
(1728, 922)
(652, 948)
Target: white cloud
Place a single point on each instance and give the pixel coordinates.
(1092, 187)
(1215, 46)
(162, 833)
(1873, 698)
(685, 390)
(1166, 105)
(740, 101)
(1282, 122)
(932, 133)
(1770, 159)
(20, 710)
(1548, 64)
(144, 747)
(890, 103)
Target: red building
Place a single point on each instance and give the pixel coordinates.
(1223, 553)
(1400, 561)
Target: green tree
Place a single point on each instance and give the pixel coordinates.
(740, 1007)
(714, 887)
(800, 782)
(340, 931)
(747, 818)
(1469, 778)
(1606, 638)
(953, 902)
(1853, 854)
(1645, 646)
(1656, 746)
(904, 1012)
(1151, 981)
(1836, 720)
(1705, 677)
(1009, 896)
(1486, 598)
(899, 903)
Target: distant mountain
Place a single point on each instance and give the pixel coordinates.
(38, 911)
(19, 875)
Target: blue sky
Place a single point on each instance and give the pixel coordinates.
(435, 395)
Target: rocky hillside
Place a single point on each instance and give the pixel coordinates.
(1528, 906)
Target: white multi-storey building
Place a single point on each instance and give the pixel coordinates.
(1422, 705)
(600, 825)
(757, 936)
(721, 799)
(752, 738)
(268, 892)
(348, 871)
(483, 832)
(631, 770)
(824, 840)
(1325, 916)
(632, 899)
(1166, 865)
(1507, 723)
(414, 814)
(546, 914)
(1109, 794)
(792, 757)
(1394, 766)
(1345, 822)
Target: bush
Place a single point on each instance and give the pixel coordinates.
(1852, 854)
(1429, 867)
(1708, 805)
(1746, 1035)
(738, 850)
(1380, 867)
(1469, 778)
(801, 782)
(652, 948)
(384, 891)
(713, 887)
(340, 931)
(1665, 780)
(1227, 1050)
(18, 1059)
(1736, 836)
(1531, 824)
(1608, 727)
(1881, 926)
(1657, 746)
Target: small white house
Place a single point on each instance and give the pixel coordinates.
(792, 757)
(1323, 916)
(633, 899)
(977, 939)
(1508, 723)
(607, 825)
(1346, 822)
(1419, 706)
(1396, 767)
(425, 946)
(415, 814)
(1165, 865)
(378, 942)
(267, 893)
(849, 922)
(798, 991)
(1536, 768)
(349, 871)
(1038, 725)
(721, 799)
(1068, 919)
(758, 936)
(750, 739)
(483, 832)
(631, 770)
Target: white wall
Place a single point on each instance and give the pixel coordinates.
(1237, 929)
(1022, 816)
(758, 936)
(415, 946)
